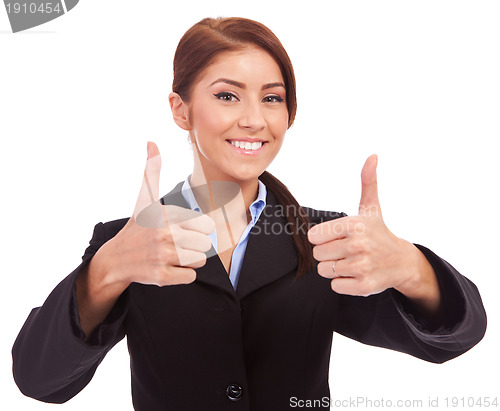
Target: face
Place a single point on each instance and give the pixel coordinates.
(238, 115)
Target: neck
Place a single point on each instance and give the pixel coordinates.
(220, 193)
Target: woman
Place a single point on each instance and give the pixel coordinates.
(250, 327)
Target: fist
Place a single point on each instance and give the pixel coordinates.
(359, 253)
(160, 244)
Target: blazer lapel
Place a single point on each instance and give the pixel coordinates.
(213, 272)
(270, 252)
(175, 197)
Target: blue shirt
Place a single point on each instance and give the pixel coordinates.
(239, 251)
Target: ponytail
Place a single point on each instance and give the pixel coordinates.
(297, 219)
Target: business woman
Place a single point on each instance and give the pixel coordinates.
(227, 290)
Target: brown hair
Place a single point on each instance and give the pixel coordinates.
(208, 38)
(197, 49)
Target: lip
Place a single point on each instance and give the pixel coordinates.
(248, 152)
(248, 139)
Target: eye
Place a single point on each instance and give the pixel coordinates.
(273, 99)
(226, 96)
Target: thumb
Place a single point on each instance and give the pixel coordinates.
(150, 187)
(369, 203)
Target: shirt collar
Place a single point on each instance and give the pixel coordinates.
(260, 202)
(255, 208)
(188, 195)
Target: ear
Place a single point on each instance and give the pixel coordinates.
(180, 111)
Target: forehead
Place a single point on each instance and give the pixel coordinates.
(249, 65)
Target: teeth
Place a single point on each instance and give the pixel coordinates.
(247, 145)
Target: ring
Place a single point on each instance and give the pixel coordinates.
(335, 275)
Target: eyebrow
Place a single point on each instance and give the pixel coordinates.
(243, 86)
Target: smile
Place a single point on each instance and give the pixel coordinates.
(246, 145)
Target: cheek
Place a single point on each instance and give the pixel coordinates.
(279, 124)
(209, 121)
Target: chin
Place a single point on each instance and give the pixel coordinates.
(245, 176)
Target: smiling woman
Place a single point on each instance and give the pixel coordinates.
(204, 49)
(226, 118)
(237, 124)
(215, 286)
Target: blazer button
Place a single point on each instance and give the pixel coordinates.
(234, 392)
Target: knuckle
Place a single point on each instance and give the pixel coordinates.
(166, 255)
(159, 236)
(156, 255)
(363, 244)
(367, 286)
(158, 276)
(173, 256)
(359, 227)
(352, 247)
(364, 268)
(356, 245)
(164, 276)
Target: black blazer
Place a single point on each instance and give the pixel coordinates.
(205, 346)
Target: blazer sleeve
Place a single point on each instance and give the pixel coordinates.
(390, 320)
(51, 362)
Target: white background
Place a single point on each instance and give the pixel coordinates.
(415, 81)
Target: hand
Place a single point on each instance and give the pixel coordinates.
(368, 257)
(159, 245)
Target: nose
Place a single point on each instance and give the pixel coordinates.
(252, 117)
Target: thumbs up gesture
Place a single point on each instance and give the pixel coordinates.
(363, 257)
(160, 244)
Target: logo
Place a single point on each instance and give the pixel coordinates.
(31, 13)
